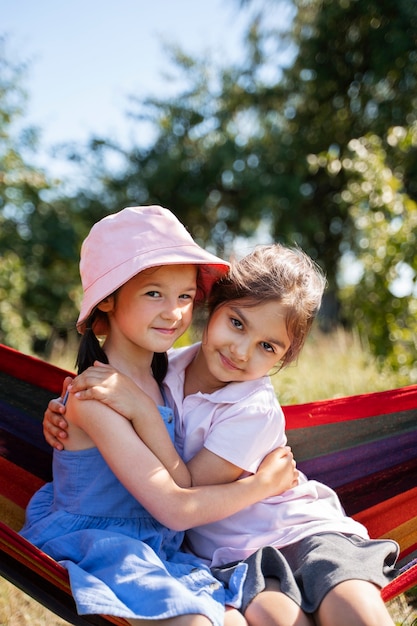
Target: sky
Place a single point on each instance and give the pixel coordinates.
(87, 56)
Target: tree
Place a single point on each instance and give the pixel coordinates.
(197, 165)
(237, 149)
(383, 302)
(356, 117)
(37, 240)
(232, 148)
(354, 73)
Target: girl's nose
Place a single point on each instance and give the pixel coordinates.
(173, 312)
(241, 351)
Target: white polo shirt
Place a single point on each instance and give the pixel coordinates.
(241, 423)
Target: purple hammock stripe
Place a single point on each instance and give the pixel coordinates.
(342, 467)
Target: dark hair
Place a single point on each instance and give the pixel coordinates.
(90, 349)
(276, 272)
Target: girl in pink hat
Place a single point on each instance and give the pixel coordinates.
(308, 563)
(114, 514)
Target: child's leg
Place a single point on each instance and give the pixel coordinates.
(271, 607)
(353, 602)
(233, 617)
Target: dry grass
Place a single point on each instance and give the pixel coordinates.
(403, 610)
(330, 366)
(18, 609)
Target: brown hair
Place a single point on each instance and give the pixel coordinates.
(276, 272)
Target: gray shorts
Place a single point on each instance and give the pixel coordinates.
(309, 569)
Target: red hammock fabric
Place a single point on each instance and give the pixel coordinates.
(365, 447)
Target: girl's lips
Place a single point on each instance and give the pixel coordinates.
(227, 363)
(166, 331)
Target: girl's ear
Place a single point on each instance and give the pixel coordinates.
(106, 305)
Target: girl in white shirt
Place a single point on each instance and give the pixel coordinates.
(312, 563)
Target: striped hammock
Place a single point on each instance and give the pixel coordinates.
(365, 447)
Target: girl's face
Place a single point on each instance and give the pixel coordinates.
(153, 308)
(245, 342)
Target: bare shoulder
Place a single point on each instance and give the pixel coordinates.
(76, 414)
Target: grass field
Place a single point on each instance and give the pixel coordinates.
(330, 366)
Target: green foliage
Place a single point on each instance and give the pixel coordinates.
(383, 303)
(355, 72)
(38, 251)
(309, 138)
(235, 151)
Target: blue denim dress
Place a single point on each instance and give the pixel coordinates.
(120, 560)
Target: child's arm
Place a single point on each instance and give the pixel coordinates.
(148, 480)
(105, 384)
(118, 391)
(207, 468)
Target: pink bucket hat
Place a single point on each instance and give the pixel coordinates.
(125, 243)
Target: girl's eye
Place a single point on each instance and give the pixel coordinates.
(186, 296)
(153, 294)
(236, 323)
(267, 346)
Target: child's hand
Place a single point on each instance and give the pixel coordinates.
(54, 423)
(104, 383)
(279, 469)
(289, 473)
